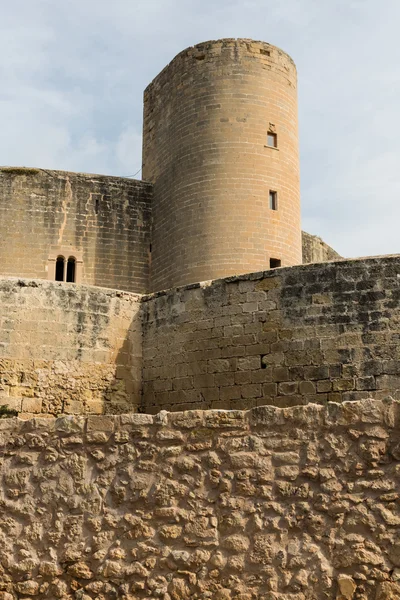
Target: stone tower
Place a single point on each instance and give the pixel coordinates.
(220, 145)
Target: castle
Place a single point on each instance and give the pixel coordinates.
(200, 415)
(221, 198)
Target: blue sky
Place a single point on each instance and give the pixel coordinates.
(73, 74)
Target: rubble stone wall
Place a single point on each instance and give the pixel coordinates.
(270, 504)
(68, 348)
(312, 333)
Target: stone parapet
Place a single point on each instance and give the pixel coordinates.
(273, 504)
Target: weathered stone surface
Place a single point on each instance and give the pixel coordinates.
(315, 250)
(295, 504)
(105, 219)
(68, 349)
(307, 334)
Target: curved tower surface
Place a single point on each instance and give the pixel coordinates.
(220, 145)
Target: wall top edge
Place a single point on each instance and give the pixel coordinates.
(368, 411)
(331, 264)
(57, 173)
(21, 282)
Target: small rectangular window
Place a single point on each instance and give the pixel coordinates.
(273, 200)
(272, 140)
(274, 263)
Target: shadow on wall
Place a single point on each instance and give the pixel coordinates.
(124, 392)
(68, 349)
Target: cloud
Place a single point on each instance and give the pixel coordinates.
(73, 75)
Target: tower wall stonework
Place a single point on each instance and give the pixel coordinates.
(206, 120)
(104, 222)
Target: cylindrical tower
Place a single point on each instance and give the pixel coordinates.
(220, 145)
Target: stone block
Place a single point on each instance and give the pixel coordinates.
(287, 388)
(307, 387)
(343, 385)
(100, 423)
(31, 405)
(316, 372)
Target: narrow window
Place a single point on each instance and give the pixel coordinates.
(273, 200)
(60, 268)
(71, 270)
(272, 140)
(274, 263)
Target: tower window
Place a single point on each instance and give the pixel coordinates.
(60, 268)
(65, 264)
(71, 270)
(274, 263)
(66, 270)
(273, 200)
(272, 139)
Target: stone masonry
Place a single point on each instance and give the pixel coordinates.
(68, 349)
(313, 333)
(275, 475)
(316, 250)
(308, 334)
(270, 504)
(207, 117)
(104, 222)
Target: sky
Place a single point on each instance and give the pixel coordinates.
(73, 73)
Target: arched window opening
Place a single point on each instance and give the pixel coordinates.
(60, 268)
(71, 270)
(65, 264)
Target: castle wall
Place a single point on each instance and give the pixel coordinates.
(67, 348)
(206, 120)
(316, 250)
(103, 222)
(312, 333)
(278, 504)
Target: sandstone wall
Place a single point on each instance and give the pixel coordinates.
(316, 250)
(206, 120)
(104, 222)
(311, 333)
(67, 348)
(270, 504)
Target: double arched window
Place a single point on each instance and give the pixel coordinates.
(66, 269)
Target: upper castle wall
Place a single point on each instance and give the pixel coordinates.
(69, 349)
(103, 222)
(206, 120)
(316, 250)
(312, 333)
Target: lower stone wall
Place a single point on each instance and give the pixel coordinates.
(270, 504)
(68, 349)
